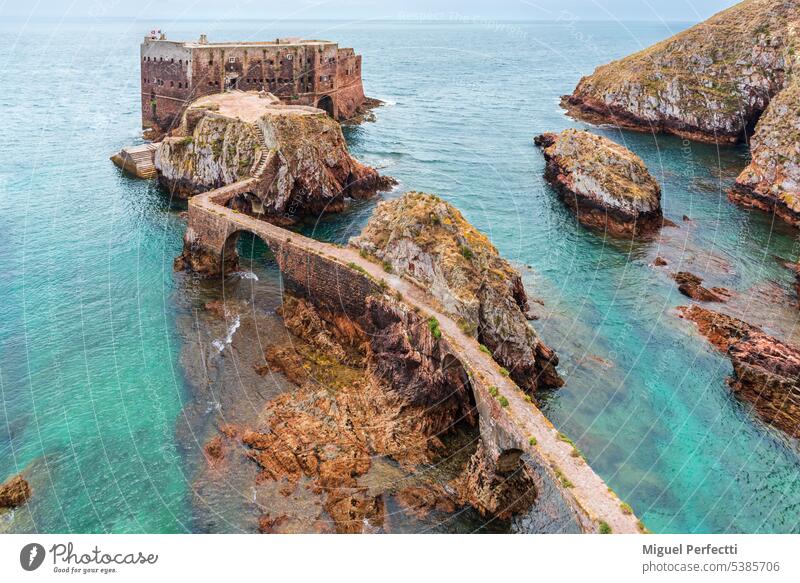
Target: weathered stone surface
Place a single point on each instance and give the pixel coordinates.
(771, 182)
(14, 492)
(766, 371)
(708, 83)
(342, 415)
(428, 240)
(298, 154)
(496, 488)
(690, 285)
(607, 185)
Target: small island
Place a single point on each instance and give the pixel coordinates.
(607, 185)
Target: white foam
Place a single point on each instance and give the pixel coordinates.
(221, 344)
(245, 275)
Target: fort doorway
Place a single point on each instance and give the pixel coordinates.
(231, 83)
(326, 103)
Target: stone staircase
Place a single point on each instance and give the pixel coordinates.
(262, 158)
(138, 160)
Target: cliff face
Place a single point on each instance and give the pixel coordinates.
(766, 371)
(429, 241)
(219, 151)
(771, 182)
(298, 154)
(707, 83)
(607, 185)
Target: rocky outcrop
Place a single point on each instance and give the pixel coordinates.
(396, 402)
(428, 241)
(217, 152)
(607, 185)
(497, 488)
(771, 181)
(298, 154)
(766, 371)
(708, 83)
(14, 492)
(690, 285)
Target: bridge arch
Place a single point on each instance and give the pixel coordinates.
(326, 103)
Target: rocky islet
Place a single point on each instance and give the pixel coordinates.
(607, 186)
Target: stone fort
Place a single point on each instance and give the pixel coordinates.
(301, 72)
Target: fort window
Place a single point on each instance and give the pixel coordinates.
(232, 60)
(172, 83)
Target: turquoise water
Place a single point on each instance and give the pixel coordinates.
(93, 388)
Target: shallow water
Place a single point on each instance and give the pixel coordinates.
(95, 400)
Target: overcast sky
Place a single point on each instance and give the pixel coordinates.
(691, 10)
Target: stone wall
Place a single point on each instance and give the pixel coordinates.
(166, 72)
(175, 73)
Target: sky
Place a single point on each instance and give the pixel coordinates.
(668, 10)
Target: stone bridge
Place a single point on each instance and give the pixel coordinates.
(571, 497)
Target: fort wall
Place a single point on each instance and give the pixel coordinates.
(315, 73)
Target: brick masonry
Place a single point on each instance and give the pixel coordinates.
(300, 72)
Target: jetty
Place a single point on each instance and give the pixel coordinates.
(137, 160)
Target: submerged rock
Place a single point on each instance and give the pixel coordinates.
(298, 154)
(690, 285)
(709, 83)
(14, 492)
(428, 240)
(766, 371)
(607, 185)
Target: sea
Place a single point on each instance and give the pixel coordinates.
(99, 410)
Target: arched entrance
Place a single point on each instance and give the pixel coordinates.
(326, 103)
(245, 251)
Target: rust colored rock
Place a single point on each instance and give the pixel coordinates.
(214, 450)
(14, 492)
(422, 500)
(690, 285)
(502, 488)
(286, 360)
(606, 185)
(271, 525)
(659, 261)
(766, 371)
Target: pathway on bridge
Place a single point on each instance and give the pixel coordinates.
(576, 477)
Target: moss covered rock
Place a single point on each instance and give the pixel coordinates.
(428, 241)
(298, 154)
(710, 82)
(607, 185)
(771, 182)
